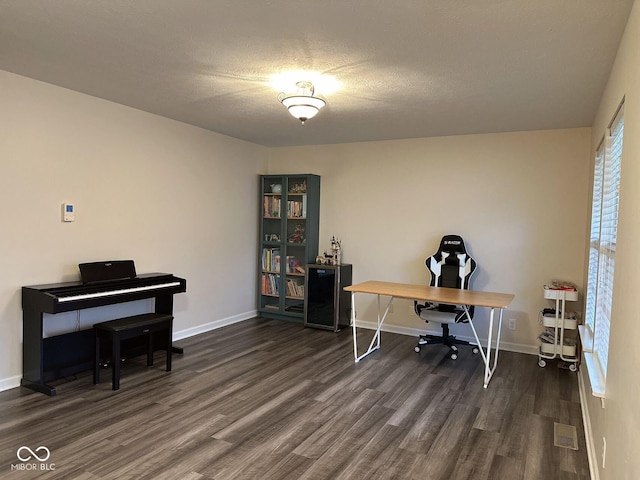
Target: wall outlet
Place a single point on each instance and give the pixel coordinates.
(512, 324)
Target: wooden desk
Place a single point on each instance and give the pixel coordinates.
(466, 298)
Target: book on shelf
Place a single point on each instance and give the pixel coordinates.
(271, 259)
(270, 284)
(298, 308)
(297, 208)
(293, 264)
(272, 206)
(295, 289)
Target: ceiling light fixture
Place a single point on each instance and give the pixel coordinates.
(303, 105)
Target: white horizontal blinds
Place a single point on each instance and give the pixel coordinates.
(608, 235)
(594, 240)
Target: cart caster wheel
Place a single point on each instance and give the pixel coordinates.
(475, 350)
(417, 349)
(454, 356)
(573, 367)
(542, 363)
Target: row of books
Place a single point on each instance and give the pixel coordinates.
(272, 206)
(270, 284)
(271, 261)
(294, 265)
(297, 209)
(294, 289)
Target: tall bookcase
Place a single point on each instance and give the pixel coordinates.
(289, 224)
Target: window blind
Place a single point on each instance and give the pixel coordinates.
(608, 237)
(594, 242)
(602, 243)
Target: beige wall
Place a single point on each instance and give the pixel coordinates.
(618, 419)
(520, 200)
(175, 198)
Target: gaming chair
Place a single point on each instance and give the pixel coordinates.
(451, 267)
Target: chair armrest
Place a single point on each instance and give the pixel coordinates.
(418, 307)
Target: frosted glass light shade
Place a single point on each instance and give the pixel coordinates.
(303, 107)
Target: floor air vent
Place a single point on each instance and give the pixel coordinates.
(565, 436)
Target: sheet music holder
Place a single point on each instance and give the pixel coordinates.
(96, 272)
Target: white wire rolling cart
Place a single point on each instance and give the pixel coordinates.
(553, 341)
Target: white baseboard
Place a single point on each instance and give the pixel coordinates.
(13, 382)
(588, 434)
(207, 327)
(414, 332)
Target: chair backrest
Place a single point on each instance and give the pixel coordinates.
(451, 266)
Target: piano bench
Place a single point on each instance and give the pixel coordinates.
(121, 329)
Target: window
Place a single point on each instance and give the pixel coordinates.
(602, 251)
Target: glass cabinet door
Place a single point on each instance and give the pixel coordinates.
(272, 223)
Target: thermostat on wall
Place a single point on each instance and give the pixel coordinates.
(68, 212)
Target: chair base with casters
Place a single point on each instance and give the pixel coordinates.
(446, 339)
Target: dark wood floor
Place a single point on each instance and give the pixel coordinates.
(266, 399)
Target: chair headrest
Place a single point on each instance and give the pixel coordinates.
(451, 244)
(451, 266)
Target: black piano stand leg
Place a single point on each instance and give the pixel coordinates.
(39, 387)
(169, 350)
(115, 358)
(150, 349)
(96, 359)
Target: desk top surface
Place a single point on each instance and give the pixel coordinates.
(453, 296)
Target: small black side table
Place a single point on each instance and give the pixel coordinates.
(326, 304)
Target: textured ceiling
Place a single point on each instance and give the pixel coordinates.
(408, 68)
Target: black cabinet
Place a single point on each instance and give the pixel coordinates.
(327, 305)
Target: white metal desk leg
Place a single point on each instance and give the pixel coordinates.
(379, 321)
(490, 368)
(495, 359)
(375, 341)
(353, 325)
